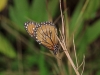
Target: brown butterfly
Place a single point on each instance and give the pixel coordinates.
(44, 33)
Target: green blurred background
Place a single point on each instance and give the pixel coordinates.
(21, 55)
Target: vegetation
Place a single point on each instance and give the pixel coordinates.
(22, 55)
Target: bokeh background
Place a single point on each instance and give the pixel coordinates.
(22, 55)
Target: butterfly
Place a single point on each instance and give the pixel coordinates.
(44, 33)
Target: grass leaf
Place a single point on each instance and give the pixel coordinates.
(6, 48)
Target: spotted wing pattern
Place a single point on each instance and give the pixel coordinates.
(30, 26)
(44, 33)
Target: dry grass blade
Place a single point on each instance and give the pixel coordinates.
(63, 43)
(62, 37)
(83, 65)
(62, 18)
(75, 52)
(82, 62)
(68, 56)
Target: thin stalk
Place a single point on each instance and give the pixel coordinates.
(62, 18)
(75, 52)
(68, 56)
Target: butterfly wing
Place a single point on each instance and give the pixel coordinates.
(30, 26)
(46, 35)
